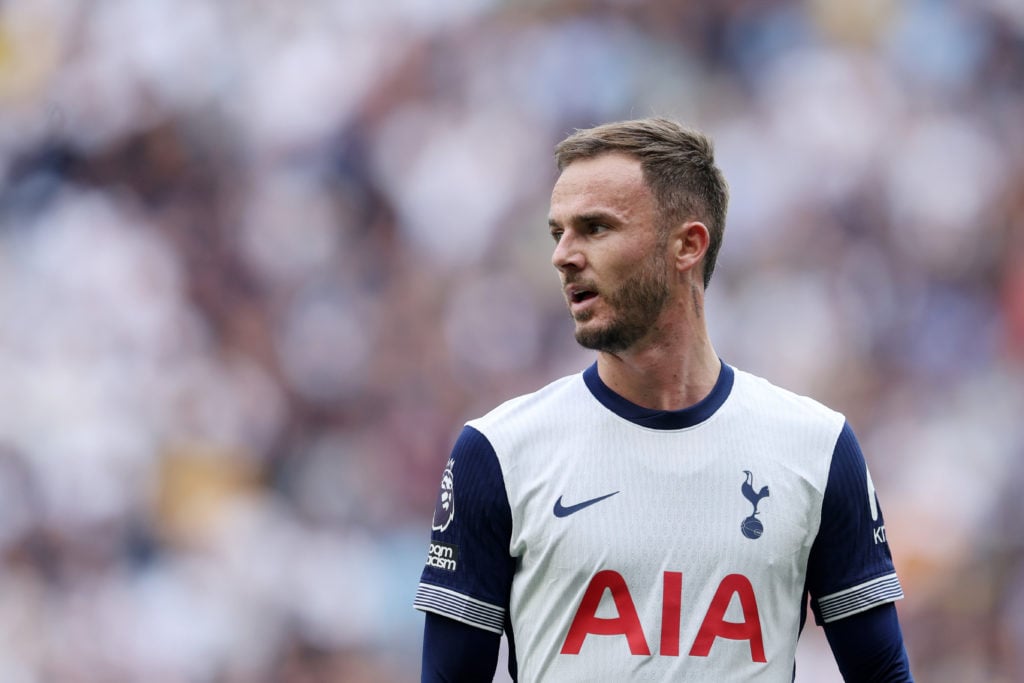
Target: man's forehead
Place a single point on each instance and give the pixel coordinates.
(611, 167)
(611, 182)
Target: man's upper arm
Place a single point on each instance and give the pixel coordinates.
(850, 573)
(454, 651)
(467, 577)
(850, 567)
(868, 646)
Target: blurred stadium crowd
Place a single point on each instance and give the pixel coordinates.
(259, 261)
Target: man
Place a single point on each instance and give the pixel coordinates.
(661, 515)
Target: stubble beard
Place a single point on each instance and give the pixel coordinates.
(635, 306)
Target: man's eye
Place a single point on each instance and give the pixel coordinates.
(556, 235)
(596, 228)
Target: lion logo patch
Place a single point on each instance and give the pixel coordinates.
(444, 510)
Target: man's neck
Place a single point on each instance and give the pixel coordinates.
(664, 376)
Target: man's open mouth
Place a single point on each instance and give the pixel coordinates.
(579, 296)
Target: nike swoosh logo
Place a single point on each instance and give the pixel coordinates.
(561, 511)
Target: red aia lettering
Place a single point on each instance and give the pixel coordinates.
(671, 610)
(715, 625)
(627, 623)
(586, 619)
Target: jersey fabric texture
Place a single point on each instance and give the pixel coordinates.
(612, 542)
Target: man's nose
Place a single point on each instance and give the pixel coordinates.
(568, 253)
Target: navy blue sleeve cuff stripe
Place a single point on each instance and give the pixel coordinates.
(863, 600)
(860, 598)
(459, 607)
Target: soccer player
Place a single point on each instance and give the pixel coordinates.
(661, 515)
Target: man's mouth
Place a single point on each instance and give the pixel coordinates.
(580, 295)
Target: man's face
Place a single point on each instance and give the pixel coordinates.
(608, 251)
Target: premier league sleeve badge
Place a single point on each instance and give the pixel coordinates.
(444, 509)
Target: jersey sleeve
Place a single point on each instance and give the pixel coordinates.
(850, 568)
(468, 571)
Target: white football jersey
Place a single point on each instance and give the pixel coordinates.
(613, 543)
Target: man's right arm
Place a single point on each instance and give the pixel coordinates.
(465, 586)
(456, 652)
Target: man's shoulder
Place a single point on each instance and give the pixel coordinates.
(540, 402)
(761, 395)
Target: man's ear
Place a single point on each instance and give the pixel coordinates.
(690, 242)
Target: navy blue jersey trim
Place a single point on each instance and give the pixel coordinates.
(462, 608)
(850, 567)
(860, 598)
(661, 419)
(474, 583)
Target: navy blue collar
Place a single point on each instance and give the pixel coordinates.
(661, 419)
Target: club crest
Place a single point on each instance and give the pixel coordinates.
(751, 526)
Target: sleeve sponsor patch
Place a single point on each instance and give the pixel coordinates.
(442, 556)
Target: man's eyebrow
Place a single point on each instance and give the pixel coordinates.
(595, 217)
(586, 218)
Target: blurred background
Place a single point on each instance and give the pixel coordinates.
(260, 260)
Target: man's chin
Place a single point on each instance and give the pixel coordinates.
(598, 338)
(585, 334)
